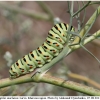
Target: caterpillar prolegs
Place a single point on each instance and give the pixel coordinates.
(51, 48)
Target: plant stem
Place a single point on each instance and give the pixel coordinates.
(98, 2)
(30, 13)
(81, 9)
(88, 24)
(83, 78)
(52, 80)
(46, 9)
(70, 85)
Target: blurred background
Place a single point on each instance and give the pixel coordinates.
(21, 32)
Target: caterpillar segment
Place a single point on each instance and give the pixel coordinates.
(53, 51)
(54, 43)
(30, 63)
(64, 26)
(45, 53)
(60, 33)
(37, 59)
(20, 64)
(12, 72)
(56, 37)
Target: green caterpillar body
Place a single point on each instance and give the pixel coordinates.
(53, 45)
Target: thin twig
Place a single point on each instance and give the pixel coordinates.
(30, 13)
(94, 3)
(88, 24)
(83, 15)
(46, 9)
(86, 5)
(83, 78)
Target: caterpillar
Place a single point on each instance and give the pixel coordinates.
(55, 41)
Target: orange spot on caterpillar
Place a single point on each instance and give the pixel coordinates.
(47, 58)
(38, 48)
(31, 67)
(63, 34)
(39, 62)
(58, 28)
(31, 52)
(57, 45)
(22, 70)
